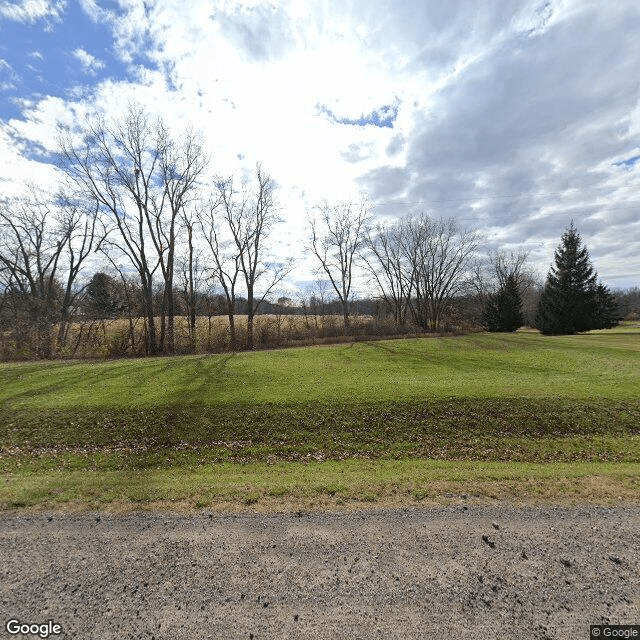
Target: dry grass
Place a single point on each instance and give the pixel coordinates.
(288, 487)
(113, 338)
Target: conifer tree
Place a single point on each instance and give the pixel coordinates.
(503, 311)
(606, 313)
(103, 297)
(567, 304)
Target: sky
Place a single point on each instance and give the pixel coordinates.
(513, 116)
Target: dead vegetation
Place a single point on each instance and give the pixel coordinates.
(124, 337)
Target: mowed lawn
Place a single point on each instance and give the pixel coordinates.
(524, 364)
(502, 399)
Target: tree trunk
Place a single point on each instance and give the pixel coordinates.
(345, 315)
(250, 344)
(163, 321)
(170, 318)
(232, 324)
(192, 295)
(169, 295)
(250, 314)
(151, 338)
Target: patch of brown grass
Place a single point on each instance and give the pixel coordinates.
(112, 338)
(595, 489)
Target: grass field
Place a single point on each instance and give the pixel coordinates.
(368, 420)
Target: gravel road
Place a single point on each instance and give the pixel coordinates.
(491, 571)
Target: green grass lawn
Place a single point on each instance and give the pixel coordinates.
(601, 363)
(500, 398)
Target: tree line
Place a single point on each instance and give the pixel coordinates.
(172, 246)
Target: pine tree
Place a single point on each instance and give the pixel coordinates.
(567, 304)
(503, 311)
(606, 313)
(103, 297)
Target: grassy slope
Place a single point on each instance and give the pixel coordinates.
(518, 397)
(475, 366)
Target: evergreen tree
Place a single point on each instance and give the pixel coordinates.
(606, 313)
(567, 304)
(104, 297)
(503, 311)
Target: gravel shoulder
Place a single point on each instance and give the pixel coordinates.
(489, 571)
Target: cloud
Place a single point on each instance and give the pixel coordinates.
(89, 63)
(132, 27)
(512, 116)
(32, 10)
(358, 152)
(525, 136)
(262, 31)
(8, 76)
(18, 169)
(396, 145)
(94, 11)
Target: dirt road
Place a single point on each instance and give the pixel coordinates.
(463, 571)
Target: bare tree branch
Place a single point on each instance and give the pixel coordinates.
(141, 181)
(337, 234)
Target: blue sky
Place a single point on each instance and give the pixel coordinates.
(54, 58)
(513, 116)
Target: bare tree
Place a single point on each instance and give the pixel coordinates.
(213, 305)
(319, 299)
(226, 256)
(141, 180)
(439, 254)
(250, 228)
(78, 226)
(189, 270)
(191, 275)
(29, 254)
(337, 234)
(250, 215)
(181, 164)
(43, 244)
(505, 266)
(387, 260)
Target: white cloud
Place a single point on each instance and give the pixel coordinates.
(261, 101)
(131, 27)
(89, 63)
(39, 127)
(94, 11)
(511, 115)
(32, 10)
(8, 76)
(17, 170)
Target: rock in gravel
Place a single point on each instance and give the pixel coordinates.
(491, 543)
(393, 574)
